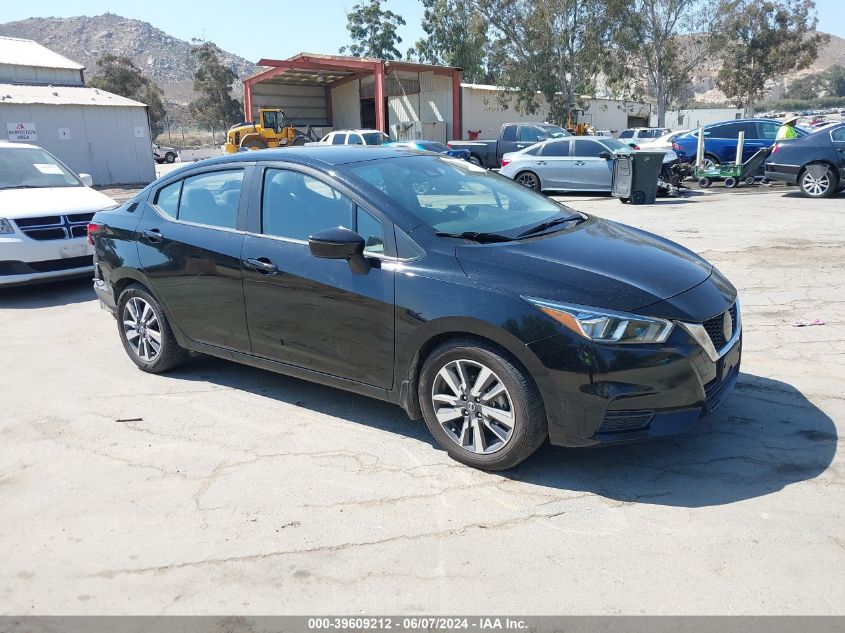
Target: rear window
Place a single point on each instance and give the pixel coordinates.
(556, 148)
(627, 134)
(211, 199)
(339, 139)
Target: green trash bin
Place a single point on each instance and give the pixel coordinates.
(635, 176)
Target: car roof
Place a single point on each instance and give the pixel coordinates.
(313, 155)
(7, 144)
(359, 131)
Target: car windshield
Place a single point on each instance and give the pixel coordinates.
(615, 146)
(31, 167)
(374, 138)
(453, 196)
(554, 131)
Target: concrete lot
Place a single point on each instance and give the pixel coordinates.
(222, 489)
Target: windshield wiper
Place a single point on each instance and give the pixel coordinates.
(477, 236)
(549, 224)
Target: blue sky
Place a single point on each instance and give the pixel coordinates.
(317, 26)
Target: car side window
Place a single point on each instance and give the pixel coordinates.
(767, 131)
(556, 148)
(167, 199)
(530, 134)
(370, 229)
(355, 139)
(339, 139)
(212, 198)
(588, 149)
(627, 134)
(296, 206)
(838, 136)
(533, 151)
(509, 133)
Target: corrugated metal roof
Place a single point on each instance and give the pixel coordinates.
(18, 52)
(61, 95)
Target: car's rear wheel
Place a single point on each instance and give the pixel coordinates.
(818, 181)
(145, 332)
(170, 157)
(711, 162)
(528, 179)
(475, 160)
(481, 405)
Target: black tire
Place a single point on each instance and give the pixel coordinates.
(624, 200)
(822, 187)
(254, 143)
(638, 197)
(170, 353)
(730, 183)
(528, 179)
(170, 157)
(475, 160)
(704, 183)
(750, 181)
(529, 429)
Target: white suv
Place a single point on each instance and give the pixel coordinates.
(353, 137)
(636, 135)
(44, 214)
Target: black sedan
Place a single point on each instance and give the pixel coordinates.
(498, 316)
(816, 162)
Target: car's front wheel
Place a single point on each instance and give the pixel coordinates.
(481, 405)
(170, 157)
(818, 181)
(145, 332)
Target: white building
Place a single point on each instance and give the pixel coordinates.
(697, 117)
(43, 100)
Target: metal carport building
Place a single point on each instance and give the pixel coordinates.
(410, 100)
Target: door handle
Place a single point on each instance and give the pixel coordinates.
(541, 162)
(152, 235)
(261, 265)
(580, 162)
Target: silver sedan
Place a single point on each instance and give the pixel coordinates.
(582, 163)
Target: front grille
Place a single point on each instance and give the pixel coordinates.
(717, 390)
(55, 227)
(618, 421)
(716, 328)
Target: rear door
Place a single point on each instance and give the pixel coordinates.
(507, 142)
(837, 136)
(316, 313)
(590, 172)
(555, 165)
(189, 245)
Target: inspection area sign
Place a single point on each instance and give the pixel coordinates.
(22, 131)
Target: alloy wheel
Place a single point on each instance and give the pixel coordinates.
(814, 186)
(473, 406)
(708, 164)
(529, 180)
(142, 329)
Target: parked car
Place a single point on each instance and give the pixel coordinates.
(662, 142)
(512, 137)
(44, 213)
(816, 162)
(163, 154)
(353, 137)
(634, 136)
(497, 315)
(721, 139)
(580, 163)
(431, 146)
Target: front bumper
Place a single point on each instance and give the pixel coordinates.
(24, 260)
(611, 394)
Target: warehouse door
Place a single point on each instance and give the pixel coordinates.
(368, 114)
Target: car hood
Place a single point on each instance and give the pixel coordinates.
(29, 203)
(598, 263)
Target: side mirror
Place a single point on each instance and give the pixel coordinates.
(605, 155)
(86, 180)
(340, 243)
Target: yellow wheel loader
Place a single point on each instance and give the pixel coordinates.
(271, 130)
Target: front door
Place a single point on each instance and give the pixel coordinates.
(590, 172)
(190, 248)
(316, 313)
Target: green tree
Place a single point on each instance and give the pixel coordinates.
(765, 39)
(661, 42)
(835, 78)
(373, 31)
(809, 87)
(119, 75)
(214, 105)
(556, 48)
(456, 35)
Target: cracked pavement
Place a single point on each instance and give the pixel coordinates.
(223, 489)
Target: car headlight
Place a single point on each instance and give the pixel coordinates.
(6, 227)
(605, 326)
